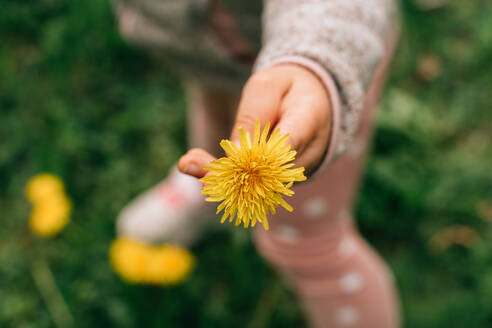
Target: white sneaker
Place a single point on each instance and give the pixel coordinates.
(174, 211)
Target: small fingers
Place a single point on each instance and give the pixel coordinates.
(193, 161)
(260, 100)
(305, 116)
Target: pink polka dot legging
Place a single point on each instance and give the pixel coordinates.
(338, 278)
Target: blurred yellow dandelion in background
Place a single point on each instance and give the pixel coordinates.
(50, 216)
(43, 186)
(140, 263)
(129, 259)
(51, 206)
(251, 180)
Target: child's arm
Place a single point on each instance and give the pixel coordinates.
(312, 72)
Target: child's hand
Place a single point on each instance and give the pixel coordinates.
(290, 97)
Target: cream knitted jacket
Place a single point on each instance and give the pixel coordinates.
(342, 41)
(344, 38)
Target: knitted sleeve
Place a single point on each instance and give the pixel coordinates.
(341, 41)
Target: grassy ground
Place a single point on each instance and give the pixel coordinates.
(76, 101)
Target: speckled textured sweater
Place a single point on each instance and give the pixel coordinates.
(223, 41)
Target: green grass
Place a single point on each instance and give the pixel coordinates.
(77, 101)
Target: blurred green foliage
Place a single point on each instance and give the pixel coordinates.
(77, 101)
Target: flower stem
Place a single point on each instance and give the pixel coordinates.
(50, 293)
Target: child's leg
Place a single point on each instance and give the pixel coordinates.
(210, 116)
(171, 210)
(339, 279)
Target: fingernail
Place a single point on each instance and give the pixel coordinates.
(283, 129)
(237, 143)
(192, 169)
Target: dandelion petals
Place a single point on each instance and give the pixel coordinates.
(250, 181)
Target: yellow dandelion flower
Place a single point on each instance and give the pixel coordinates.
(170, 265)
(251, 180)
(43, 186)
(50, 216)
(137, 262)
(130, 259)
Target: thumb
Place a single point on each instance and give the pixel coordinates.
(193, 161)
